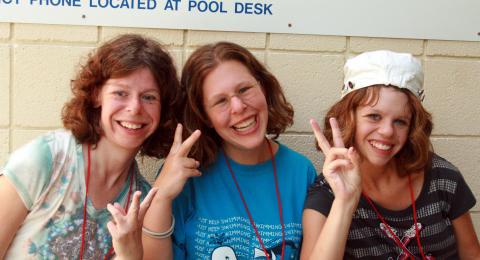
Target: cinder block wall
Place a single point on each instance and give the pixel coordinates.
(37, 63)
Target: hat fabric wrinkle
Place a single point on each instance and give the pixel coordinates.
(383, 68)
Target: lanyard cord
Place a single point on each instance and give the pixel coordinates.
(415, 223)
(248, 211)
(84, 225)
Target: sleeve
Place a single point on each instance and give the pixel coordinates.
(29, 169)
(182, 208)
(462, 199)
(319, 196)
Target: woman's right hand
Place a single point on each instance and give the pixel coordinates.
(342, 165)
(178, 167)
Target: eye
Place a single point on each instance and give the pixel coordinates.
(120, 93)
(401, 122)
(220, 102)
(150, 97)
(244, 89)
(374, 117)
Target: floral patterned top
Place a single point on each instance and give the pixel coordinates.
(48, 174)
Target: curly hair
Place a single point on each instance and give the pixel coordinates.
(415, 154)
(117, 58)
(203, 61)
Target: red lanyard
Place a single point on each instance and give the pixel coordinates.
(248, 211)
(395, 238)
(84, 225)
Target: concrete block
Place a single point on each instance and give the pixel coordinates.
(304, 144)
(246, 39)
(4, 31)
(41, 83)
(452, 95)
(362, 44)
(149, 167)
(464, 153)
(166, 37)
(453, 48)
(21, 137)
(55, 33)
(312, 83)
(307, 42)
(4, 85)
(4, 144)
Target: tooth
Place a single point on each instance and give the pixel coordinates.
(130, 125)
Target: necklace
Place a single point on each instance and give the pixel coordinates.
(248, 211)
(390, 231)
(84, 225)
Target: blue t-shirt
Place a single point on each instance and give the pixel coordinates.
(211, 220)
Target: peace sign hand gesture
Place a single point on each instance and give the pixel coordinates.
(126, 228)
(178, 167)
(341, 167)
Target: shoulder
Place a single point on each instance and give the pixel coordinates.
(442, 169)
(291, 156)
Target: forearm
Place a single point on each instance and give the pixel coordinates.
(333, 237)
(158, 219)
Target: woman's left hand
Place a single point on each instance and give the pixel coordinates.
(126, 228)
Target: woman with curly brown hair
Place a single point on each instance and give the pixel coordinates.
(383, 193)
(248, 202)
(57, 190)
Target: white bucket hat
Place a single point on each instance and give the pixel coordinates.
(383, 68)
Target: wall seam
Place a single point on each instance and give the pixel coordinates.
(10, 87)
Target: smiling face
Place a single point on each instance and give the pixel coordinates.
(382, 128)
(236, 107)
(130, 109)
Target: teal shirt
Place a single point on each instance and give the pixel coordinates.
(49, 176)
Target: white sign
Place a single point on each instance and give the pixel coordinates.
(418, 19)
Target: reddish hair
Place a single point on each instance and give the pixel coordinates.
(117, 58)
(415, 154)
(203, 61)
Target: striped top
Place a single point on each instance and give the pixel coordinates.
(444, 197)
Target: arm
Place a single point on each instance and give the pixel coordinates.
(467, 241)
(326, 237)
(12, 215)
(175, 173)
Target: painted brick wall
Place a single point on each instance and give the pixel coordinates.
(38, 61)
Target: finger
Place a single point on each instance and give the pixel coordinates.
(146, 203)
(134, 207)
(177, 139)
(338, 165)
(117, 216)
(321, 140)
(188, 143)
(120, 208)
(336, 133)
(112, 228)
(190, 163)
(335, 154)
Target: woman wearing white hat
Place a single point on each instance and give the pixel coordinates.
(383, 193)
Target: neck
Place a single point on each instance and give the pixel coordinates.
(253, 156)
(376, 177)
(109, 166)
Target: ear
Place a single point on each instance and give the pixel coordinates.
(97, 97)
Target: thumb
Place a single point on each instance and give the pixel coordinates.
(354, 157)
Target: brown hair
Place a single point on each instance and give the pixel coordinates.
(203, 61)
(414, 155)
(118, 58)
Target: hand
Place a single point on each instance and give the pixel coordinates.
(126, 228)
(178, 167)
(341, 167)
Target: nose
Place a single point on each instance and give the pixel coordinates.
(236, 104)
(134, 105)
(386, 128)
